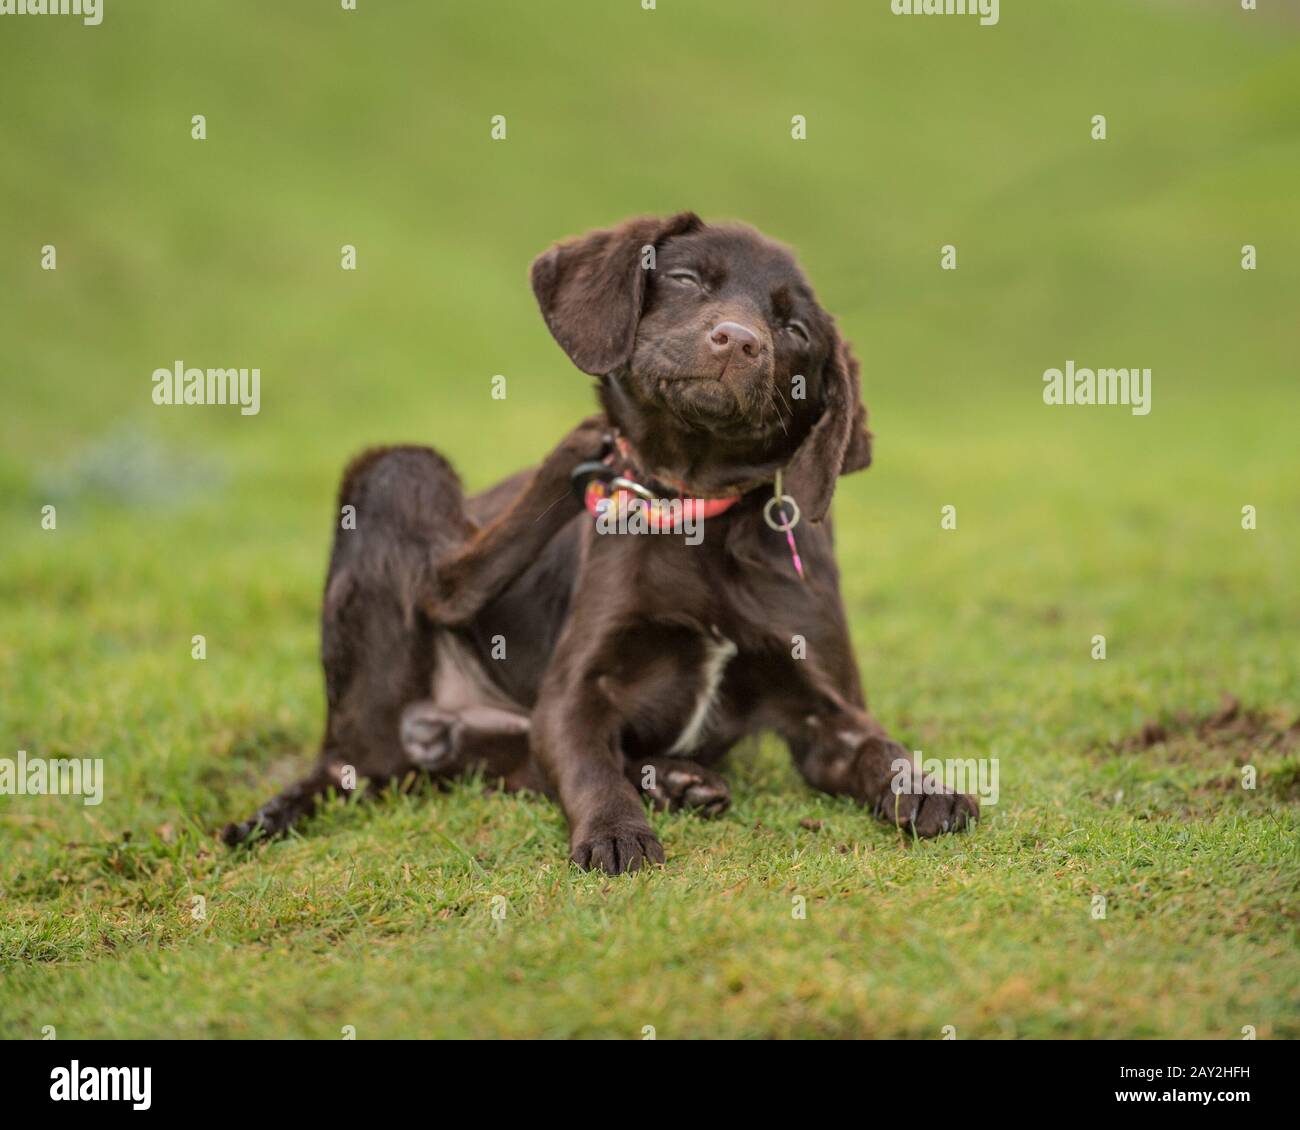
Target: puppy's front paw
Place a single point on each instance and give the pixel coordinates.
(914, 801)
(616, 848)
(931, 812)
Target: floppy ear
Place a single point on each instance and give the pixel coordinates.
(839, 441)
(591, 289)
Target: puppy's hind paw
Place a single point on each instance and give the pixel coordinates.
(674, 784)
(428, 736)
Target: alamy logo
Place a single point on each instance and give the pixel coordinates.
(987, 10)
(1100, 386)
(639, 516)
(102, 1084)
(179, 385)
(90, 11)
(59, 776)
(929, 776)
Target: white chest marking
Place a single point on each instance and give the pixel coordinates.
(718, 653)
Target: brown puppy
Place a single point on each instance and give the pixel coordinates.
(505, 633)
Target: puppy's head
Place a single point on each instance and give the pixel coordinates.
(709, 339)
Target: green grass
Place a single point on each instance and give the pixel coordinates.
(371, 128)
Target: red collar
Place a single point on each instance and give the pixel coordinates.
(611, 483)
(663, 512)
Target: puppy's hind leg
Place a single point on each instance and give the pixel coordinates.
(446, 742)
(399, 509)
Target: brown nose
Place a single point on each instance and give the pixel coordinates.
(728, 336)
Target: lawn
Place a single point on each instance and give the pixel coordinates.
(456, 914)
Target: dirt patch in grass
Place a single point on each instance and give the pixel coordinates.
(1247, 733)
(1267, 739)
(1281, 782)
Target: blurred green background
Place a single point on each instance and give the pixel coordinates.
(372, 128)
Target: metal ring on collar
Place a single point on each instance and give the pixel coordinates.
(791, 522)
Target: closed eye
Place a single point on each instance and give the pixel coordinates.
(686, 277)
(799, 329)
